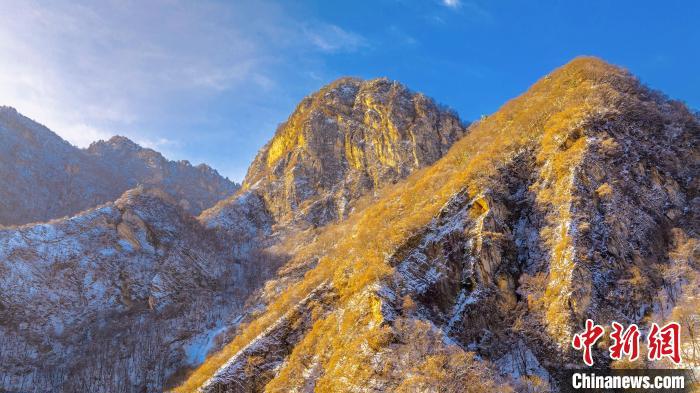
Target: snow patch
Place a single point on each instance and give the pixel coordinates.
(197, 350)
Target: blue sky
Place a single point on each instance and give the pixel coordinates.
(209, 81)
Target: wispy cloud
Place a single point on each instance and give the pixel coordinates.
(400, 36)
(92, 69)
(160, 144)
(331, 38)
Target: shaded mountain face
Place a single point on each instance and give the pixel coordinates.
(350, 137)
(195, 188)
(44, 177)
(116, 298)
(578, 199)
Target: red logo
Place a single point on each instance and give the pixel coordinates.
(665, 342)
(625, 342)
(662, 342)
(586, 339)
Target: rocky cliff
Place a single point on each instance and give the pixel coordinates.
(578, 199)
(350, 137)
(45, 177)
(338, 148)
(334, 153)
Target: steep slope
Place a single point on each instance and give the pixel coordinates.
(114, 299)
(575, 200)
(347, 139)
(44, 177)
(341, 145)
(337, 149)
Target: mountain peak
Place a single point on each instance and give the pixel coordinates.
(122, 141)
(349, 137)
(592, 70)
(584, 61)
(571, 202)
(344, 81)
(590, 67)
(117, 142)
(7, 109)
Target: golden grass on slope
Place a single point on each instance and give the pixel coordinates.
(562, 150)
(355, 250)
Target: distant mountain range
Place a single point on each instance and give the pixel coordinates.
(378, 243)
(45, 177)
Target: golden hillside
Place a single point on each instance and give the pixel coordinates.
(543, 214)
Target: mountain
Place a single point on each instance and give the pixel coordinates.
(195, 188)
(349, 138)
(377, 244)
(45, 177)
(339, 147)
(578, 199)
(131, 294)
(113, 299)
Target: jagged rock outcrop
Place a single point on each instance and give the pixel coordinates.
(578, 199)
(349, 138)
(342, 143)
(45, 177)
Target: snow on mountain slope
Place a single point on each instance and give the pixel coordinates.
(414, 254)
(109, 299)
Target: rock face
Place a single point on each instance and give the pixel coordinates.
(578, 199)
(350, 137)
(114, 299)
(346, 141)
(44, 177)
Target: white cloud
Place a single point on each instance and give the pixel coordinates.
(162, 145)
(469, 8)
(89, 70)
(451, 3)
